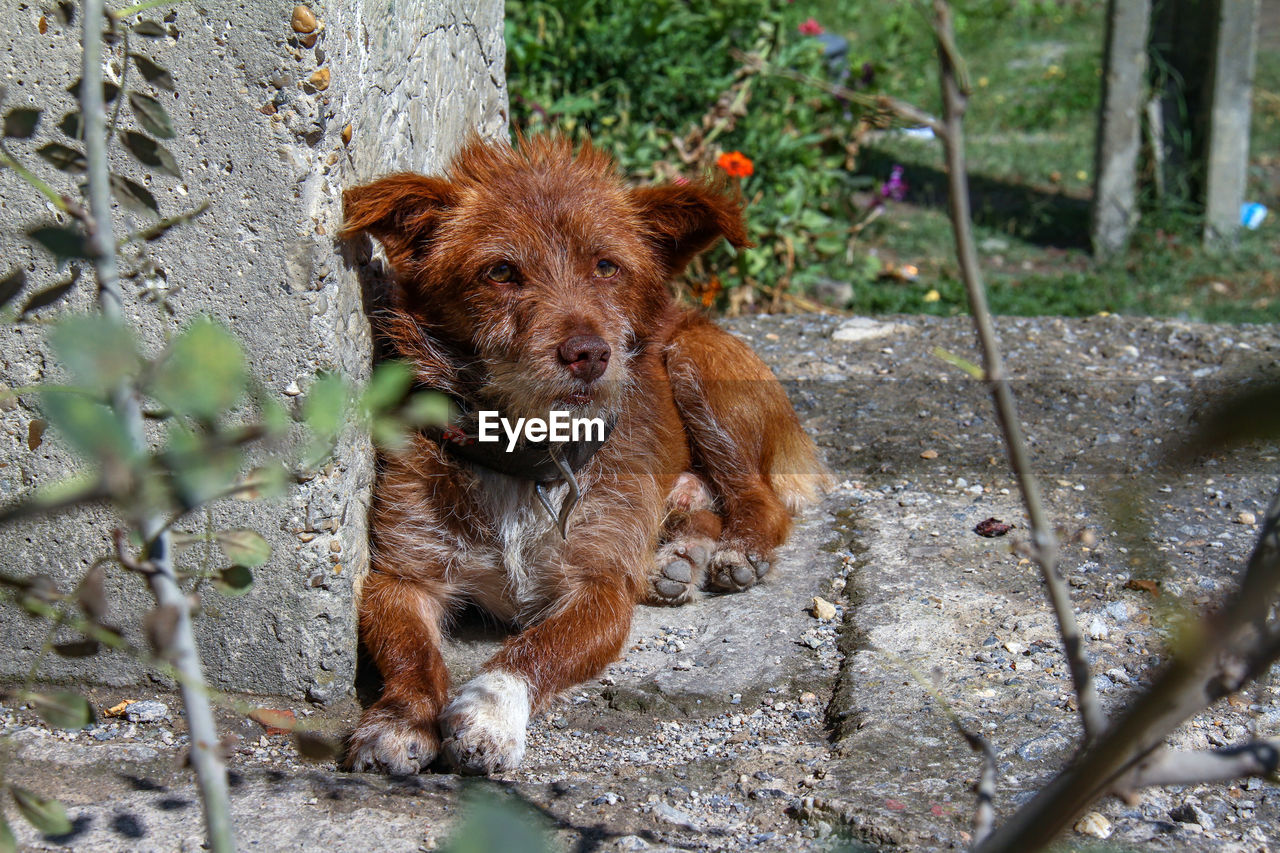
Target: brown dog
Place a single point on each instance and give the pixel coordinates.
(531, 282)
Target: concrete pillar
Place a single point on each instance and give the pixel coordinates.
(1124, 91)
(1231, 104)
(260, 133)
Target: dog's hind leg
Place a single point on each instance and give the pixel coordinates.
(689, 537)
(747, 443)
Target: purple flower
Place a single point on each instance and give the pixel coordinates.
(894, 188)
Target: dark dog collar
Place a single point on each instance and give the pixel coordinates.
(544, 463)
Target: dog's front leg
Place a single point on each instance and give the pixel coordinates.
(484, 726)
(400, 625)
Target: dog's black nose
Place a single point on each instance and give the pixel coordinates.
(585, 356)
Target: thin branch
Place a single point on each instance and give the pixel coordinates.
(1042, 537)
(1189, 685)
(884, 103)
(158, 228)
(985, 811)
(230, 492)
(93, 631)
(91, 493)
(1256, 758)
(121, 14)
(122, 94)
(206, 758)
(984, 814)
(56, 198)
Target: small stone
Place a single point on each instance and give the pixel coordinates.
(684, 664)
(822, 609)
(292, 389)
(1119, 611)
(149, 711)
(1192, 813)
(631, 844)
(1045, 746)
(1097, 629)
(335, 546)
(346, 140)
(808, 697)
(929, 454)
(303, 20)
(1095, 825)
(675, 816)
(1246, 517)
(320, 79)
(864, 329)
(1014, 648)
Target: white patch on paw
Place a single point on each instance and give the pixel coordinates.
(484, 726)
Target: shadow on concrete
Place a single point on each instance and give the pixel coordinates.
(1047, 219)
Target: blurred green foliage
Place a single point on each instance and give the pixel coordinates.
(648, 82)
(658, 85)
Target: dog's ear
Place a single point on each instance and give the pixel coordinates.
(682, 220)
(401, 211)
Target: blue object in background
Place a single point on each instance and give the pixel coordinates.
(1252, 214)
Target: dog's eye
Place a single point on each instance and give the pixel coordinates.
(503, 273)
(606, 269)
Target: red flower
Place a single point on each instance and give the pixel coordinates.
(736, 163)
(811, 28)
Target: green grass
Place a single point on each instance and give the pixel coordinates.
(1035, 66)
(1030, 128)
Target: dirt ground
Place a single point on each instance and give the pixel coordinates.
(746, 722)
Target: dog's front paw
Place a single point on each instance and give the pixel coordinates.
(679, 567)
(484, 726)
(732, 570)
(391, 740)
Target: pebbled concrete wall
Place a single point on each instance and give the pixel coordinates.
(263, 137)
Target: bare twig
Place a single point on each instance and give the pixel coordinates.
(985, 811)
(93, 492)
(984, 814)
(56, 198)
(120, 538)
(211, 775)
(159, 227)
(121, 14)
(1256, 758)
(1192, 681)
(120, 97)
(1042, 537)
(884, 103)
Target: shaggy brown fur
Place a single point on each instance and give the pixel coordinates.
(532, 280)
